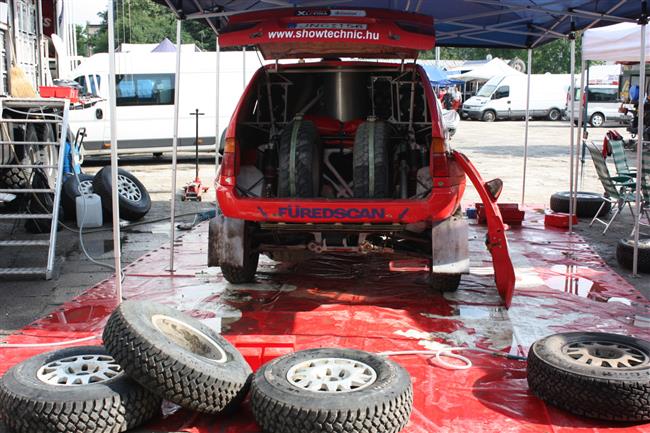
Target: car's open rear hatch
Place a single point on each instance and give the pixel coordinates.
(329, 32)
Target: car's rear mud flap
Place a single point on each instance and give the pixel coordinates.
(226, 241)
(497, 243)
(450, 249)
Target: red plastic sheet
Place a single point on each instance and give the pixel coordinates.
(562, 285)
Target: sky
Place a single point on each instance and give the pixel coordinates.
(86, 10)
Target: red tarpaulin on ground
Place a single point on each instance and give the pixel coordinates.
(562, 285)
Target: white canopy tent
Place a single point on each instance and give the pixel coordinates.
(624, 42)
(617, 43)
(488, 70)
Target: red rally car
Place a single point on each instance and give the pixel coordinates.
(325, 154)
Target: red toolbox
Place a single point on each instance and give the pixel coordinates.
(509, 211)
(59, 92)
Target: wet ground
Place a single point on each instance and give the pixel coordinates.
(496, 149)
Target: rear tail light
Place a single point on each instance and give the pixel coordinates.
(438, 145)
(229, 162)
(438, 161)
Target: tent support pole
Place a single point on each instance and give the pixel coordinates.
(572, 142)
(117, 249)
(639, 148)
(529, 72)
(177, 81)
(579, 139)
(217, 135)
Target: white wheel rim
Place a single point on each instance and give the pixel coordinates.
(597, 121)
(79, 370)
(606, 354)
(189, 338)
(331, 375)
(86, 187)
(128, 189)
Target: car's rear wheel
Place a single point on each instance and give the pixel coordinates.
(597, 120)
(445, 282)
(299, 160)
(246, 272)
(371, 160)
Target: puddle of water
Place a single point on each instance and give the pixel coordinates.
(569, 279)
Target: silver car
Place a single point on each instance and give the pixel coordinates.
(602, 106)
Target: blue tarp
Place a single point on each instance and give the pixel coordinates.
(438, 77)
(458, 23)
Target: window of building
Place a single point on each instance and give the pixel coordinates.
(145, 89)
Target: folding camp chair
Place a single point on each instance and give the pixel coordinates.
(616, 144)
(618, 189)
(645, 190)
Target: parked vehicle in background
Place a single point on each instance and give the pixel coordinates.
(504, 97)
(603, 106)
(145, 99)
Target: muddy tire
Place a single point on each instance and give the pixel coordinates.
(31, 400)
(134, 199)
(246, 273)
(177, 357)
(375, 157)
(587, 203)
(305, 166)
(381, 401)
(596, 375)
(39, 203)
(445, 282)
(625, 254)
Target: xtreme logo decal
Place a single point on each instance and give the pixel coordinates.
(331, 213)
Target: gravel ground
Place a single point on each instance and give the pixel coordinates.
(496, 149)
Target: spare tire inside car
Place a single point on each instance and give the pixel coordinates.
(299, 156)
(134, 199)
(177, 357)
(591, 374)
(74, 390)
(332, 390)
(372, 160)
(587, 203)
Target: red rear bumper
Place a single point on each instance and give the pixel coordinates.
(440, 204)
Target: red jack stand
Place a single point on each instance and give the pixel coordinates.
(195, 189)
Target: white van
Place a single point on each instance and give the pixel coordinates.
(603, 104)
(504, 97)
(145, 99)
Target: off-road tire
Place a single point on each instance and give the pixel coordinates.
(130, 210)
(445, 282)
(381, 162)
(19, 177)
(70, 193)
(39, 203)
(625, 253)
(587, 203)
(308, 155)
(554, 114)
(489, 116)
(383, 407)
(617, 394)
(28, 405)
(187, 374)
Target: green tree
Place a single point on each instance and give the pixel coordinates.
(554, 57)
(82, 40)
(146, 22)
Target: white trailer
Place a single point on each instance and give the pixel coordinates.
(145, 99)
(504, 97)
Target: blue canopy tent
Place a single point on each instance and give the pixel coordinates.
(463, 23)
(438, 77)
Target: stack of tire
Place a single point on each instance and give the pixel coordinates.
(153, 352)
(134, 199)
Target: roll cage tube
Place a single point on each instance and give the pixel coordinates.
(496, 241)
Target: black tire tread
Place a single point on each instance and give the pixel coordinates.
(307, 148)
(591, 397)
(165, 377)
(243, 274)
(103, 189)
(625, 252)
(585, 208)
(361, 161)
(445, 282)
(276, 416)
